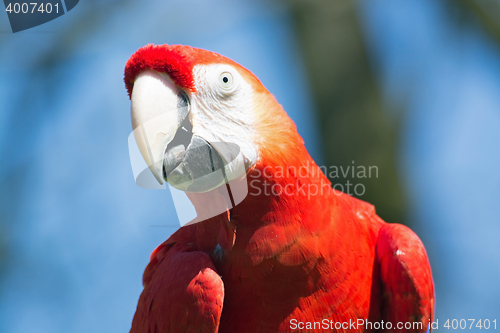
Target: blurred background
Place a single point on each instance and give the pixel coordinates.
(412, 87)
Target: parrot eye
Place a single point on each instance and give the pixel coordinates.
(226, 81)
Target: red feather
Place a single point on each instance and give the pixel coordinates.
(175, 60)
(314, 255)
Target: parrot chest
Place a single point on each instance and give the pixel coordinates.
(266, 294)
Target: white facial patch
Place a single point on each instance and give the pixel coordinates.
(221, 112)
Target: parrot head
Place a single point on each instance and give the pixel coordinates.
(195, 112)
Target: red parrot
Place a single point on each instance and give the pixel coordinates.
(294, 254)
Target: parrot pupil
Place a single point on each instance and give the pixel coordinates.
(225, 79)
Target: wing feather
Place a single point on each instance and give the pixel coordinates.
(182, 293)
(407, 286)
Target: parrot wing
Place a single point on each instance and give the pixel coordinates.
(408, 293)
(182, 292)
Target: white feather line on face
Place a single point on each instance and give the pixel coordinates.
(219, 116)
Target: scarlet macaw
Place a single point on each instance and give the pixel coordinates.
(275, 262)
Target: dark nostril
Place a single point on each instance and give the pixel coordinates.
(183, 104)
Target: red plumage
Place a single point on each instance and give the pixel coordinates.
(305, 257)
(179, 67)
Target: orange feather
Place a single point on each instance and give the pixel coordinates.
(283, 259)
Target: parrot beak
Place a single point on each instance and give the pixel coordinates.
(164, 136)
(159, 112)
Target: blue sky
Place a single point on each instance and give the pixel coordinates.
(79, 231)
(445, 78)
